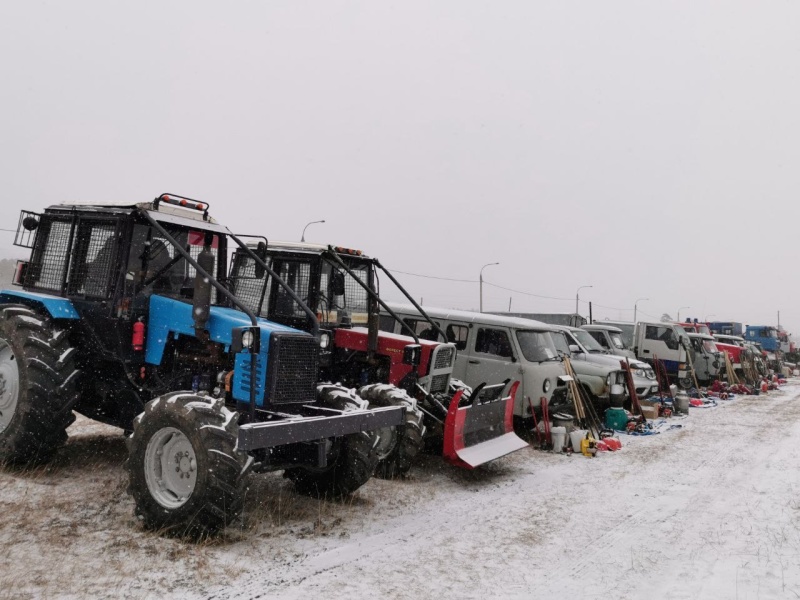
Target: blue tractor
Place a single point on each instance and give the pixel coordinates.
(125, 315)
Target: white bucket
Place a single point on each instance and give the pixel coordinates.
(575, 437)
(559, 435)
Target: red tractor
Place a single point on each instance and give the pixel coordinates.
(341, 286)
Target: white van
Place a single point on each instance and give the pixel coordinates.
(588, 355)
(493, 348)
(708, 359)
(610, 337)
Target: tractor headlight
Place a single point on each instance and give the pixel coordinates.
(546, 386)
(324, 340)
(247, 339)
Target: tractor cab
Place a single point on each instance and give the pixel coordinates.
(341, 286)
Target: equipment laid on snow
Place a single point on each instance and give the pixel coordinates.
(123, 316)
(413, 371)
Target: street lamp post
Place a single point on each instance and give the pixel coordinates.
(577, 296)
(480, 278)
(679, 312)
(303, 237)
(635, 307)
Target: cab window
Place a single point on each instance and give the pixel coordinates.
(662, 334)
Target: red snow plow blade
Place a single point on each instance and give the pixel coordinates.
(481, 431)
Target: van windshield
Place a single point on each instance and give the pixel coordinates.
(587, 341)
(616, 339)
(536, 346)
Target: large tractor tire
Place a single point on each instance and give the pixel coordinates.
(351, 458)
(398, 447)
(185, 474)
(37, 386)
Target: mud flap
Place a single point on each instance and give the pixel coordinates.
(480, 431)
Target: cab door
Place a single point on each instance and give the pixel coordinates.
(492, 357)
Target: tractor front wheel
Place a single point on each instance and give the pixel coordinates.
(185, 474)
(37, 386)
(351, 458)
(398, 448)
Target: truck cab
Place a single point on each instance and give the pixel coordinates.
(765, 335)
(669, 344)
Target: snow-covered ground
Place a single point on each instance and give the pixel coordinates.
(707, 510)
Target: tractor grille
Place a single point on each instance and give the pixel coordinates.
(439, 383)
(293, 361)
(444, 358)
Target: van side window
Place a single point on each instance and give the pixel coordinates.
(387, 323)
(493, 341)
(457, 334)
(422, 328)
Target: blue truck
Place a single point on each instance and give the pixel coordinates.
(766, 335)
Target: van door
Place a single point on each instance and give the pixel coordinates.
(492, 357)
(458, 334)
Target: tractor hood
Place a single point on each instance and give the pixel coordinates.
(169, 316)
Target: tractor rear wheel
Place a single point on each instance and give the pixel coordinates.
(399, 447)
(351, 458)
(185, 474)
(37, 386)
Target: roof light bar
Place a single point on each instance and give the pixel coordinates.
(341, 250)
(183, 202)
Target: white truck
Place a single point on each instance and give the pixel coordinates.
(668, 343)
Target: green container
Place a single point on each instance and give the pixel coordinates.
(616, 418)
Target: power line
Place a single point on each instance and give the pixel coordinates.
(435, 277)
(525, 293)
(508, 289)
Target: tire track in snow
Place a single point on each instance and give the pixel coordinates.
(402, 529)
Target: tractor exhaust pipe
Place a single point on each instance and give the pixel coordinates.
(201, 299)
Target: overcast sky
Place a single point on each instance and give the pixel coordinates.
(649, 149)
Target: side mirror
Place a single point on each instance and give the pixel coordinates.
(261, 252)
(337, 283)
(574, 348)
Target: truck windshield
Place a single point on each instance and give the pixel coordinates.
(536, 346)
(587, 341)
(710, 347)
